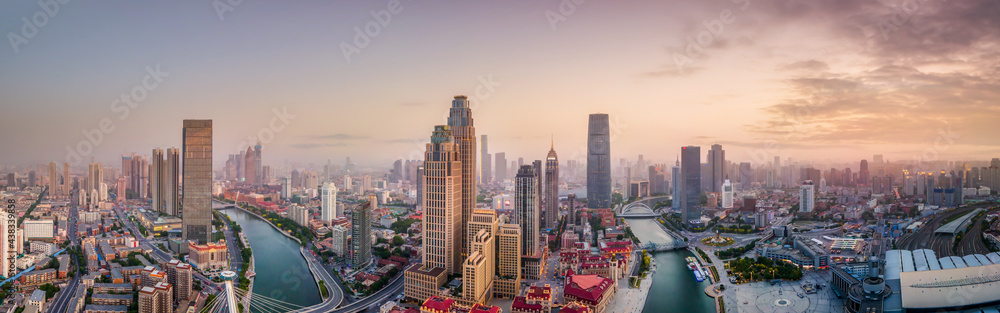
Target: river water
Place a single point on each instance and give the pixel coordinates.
(282, 273)
(674, 286)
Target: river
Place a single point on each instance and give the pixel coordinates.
(282, 273)
(674, 287)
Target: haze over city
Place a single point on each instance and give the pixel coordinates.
(821, 80)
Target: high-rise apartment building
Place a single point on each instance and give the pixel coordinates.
(328, 207)
(197, 196)
(67, 185)
(526, 209)
(156, 299)
(717, 166)
(179, 276)
(807, 197)
(156, 179)
(463, 132)
(552, 189)
(691, 175)
(171, 182)
(480, 266)
(361, 234)
(598, 162)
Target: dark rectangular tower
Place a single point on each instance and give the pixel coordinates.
(598, 162)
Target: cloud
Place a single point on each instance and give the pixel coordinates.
(808, 65)
(340, 137)
(671, 71)
(307, 146)
(412, 104)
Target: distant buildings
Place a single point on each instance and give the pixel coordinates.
(727, 195)
(164, 172)
(485, 173)
(598, 162)
(197, 196)
(501, 166)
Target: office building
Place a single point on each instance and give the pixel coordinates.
(361, 233)
(677, 181)
(717, 167)
(598, 162)
(727, 195)
(486, 171)
(463, 133)
(526, 209)
(501, 167)
(551, 189)
(53, 183)
(197, 196)
(658, 179)
(691, 189)
(209, 256)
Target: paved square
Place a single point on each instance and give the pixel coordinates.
(762, 297)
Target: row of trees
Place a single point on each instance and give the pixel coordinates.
(737, 251)
(762, 268)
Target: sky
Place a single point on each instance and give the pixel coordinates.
(826, 80)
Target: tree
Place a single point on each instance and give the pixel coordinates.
(397, 240)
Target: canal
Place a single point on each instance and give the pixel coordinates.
(674, 287)
(282, 273)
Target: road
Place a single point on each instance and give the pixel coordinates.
(925, 238)
(62, 299)
(394, 288)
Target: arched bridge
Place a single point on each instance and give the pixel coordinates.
(641, 207)
(652, 246)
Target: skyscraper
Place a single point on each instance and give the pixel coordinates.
(691, 175)
(677, 180)
(171, 183)
(485, 173)
(328, 209)
(552, 188)
(727, 195)
(658, 179)
(598, 163)
(250, 166)
(54, 186)
(508, 272)
(501, 167)
(443, 202)
(717, 166)
(570, 210)
(361, 232)
(463, 132)
(197, 219)
(66, 181)
(156, 179)
(864, 174)
(526, 208)
(807, 197)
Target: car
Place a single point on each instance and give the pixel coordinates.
(801, 296)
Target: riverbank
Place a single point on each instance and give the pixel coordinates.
(282, 231)
(672, 285)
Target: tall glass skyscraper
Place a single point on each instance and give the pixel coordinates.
(526, 208)
(598, 162)
(197, 219)
(691, 174)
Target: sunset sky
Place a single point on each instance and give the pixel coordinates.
(831, 80)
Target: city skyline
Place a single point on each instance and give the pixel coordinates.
(854, 87)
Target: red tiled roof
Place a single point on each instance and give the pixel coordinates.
(539, 292)
(438, 304)
(479, 308)
(589, 288)
(521, 305)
